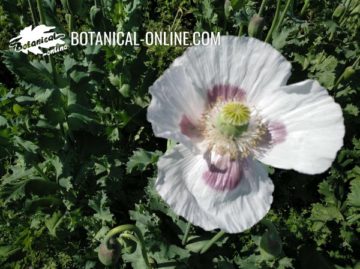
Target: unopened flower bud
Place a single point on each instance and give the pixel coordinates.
(95, 15)
(339, 10)
(109, 253)
(256, 25)
(349, 72)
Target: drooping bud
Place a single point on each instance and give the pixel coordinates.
(339, 11)
(95, 15)
(109, 253)
(256, 25)
(348, 72)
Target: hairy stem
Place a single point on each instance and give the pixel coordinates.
(130, 227)
(304, 8)
(42, 21)
(262, 7)
(283, 14)
(212, 242)
(274, 22)
(32, 11)
(41, 11)
(186, 235)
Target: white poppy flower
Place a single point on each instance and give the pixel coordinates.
(231, 111)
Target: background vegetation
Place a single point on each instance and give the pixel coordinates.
(78, 156)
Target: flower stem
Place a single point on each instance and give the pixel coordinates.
(283, 14)
(341, 77)
(41, 12)
(305, 6)
(69, 19)
(212, 242)
(42, 21)
(262, 7)
(129, 227)
(276, 16)
(241, 29)
(32, 11)
(186, 235)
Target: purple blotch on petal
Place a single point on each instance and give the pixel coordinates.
(277, 131)
(225, 92)
(188, 128)
(224, 174)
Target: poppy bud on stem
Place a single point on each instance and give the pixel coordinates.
(128, 227)
(255, 26)
(109, 252)
(339, 11)
(348, 72)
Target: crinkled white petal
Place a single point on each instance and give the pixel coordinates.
(173, 97)
(180, 183)
(313, 127)
(250, 64)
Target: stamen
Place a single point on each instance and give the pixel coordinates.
(230, 127)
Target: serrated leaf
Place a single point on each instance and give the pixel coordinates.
(98, 203)
(141, 159)
(328, 192)
(354, 195)
(321, 213)
(66, 183)
(53, 222)
(352, 110)
(27, 72)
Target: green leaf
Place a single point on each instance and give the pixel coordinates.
(328, 192)
(6, 251)
(98, 203)
(53, 222)
(66, 183)
(353, 198)
(27, 71)
(323, 214)
(3, 121)
(141, 159)
(270, 241)
(352, 110)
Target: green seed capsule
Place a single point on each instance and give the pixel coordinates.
(255, 26)
(109, 254)
(349, 72)
(339, 10)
